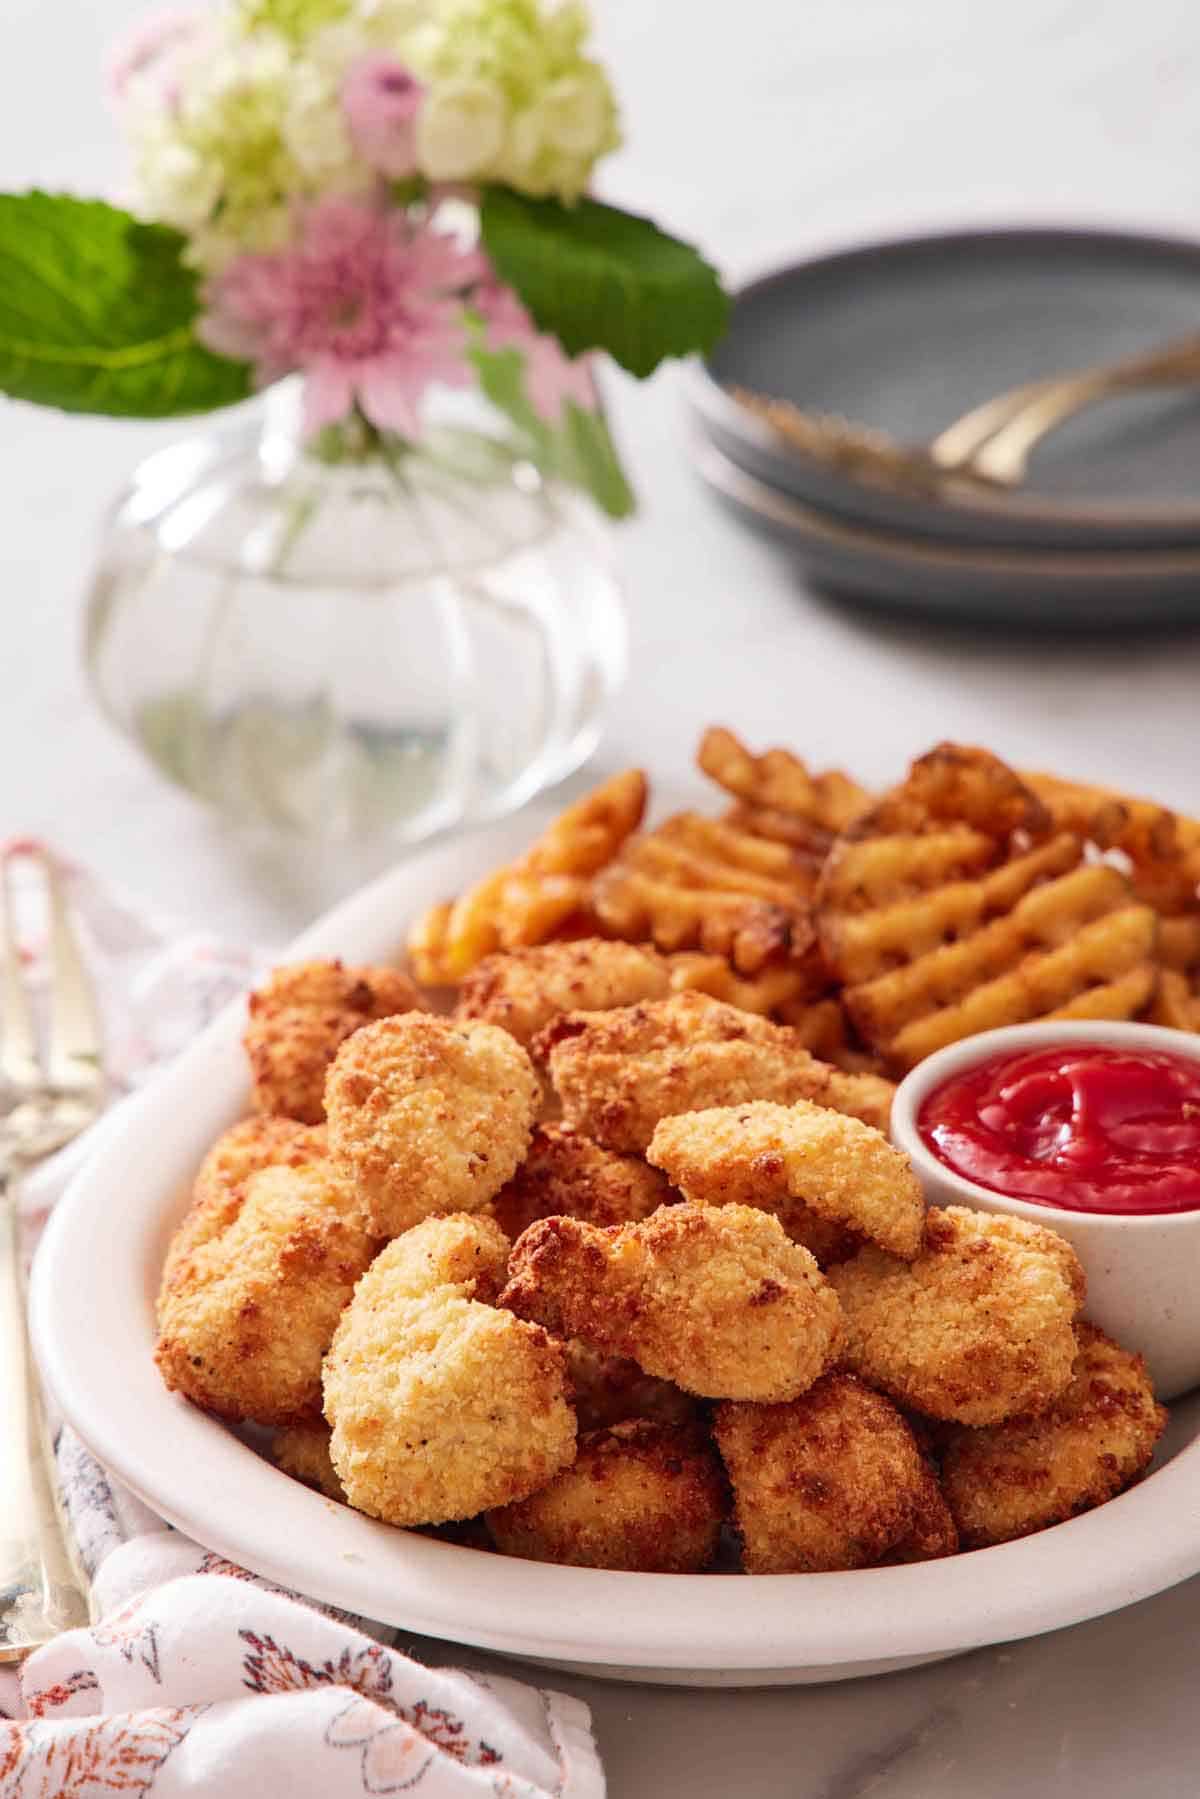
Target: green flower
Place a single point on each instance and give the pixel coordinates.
(294, 20)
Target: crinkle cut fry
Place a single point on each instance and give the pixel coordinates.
(527, 902)
(779, 781)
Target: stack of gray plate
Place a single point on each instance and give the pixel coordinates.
(908, 336)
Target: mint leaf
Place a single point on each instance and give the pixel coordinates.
(602, 279)
(578, 451)
(97, 312)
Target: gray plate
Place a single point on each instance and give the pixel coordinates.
(909, 335)
(1052, 590)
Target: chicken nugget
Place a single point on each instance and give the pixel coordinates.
(1094, 1439)
(440, 1406)
(299, 1017)
(713, 1298)
(220, 1186)
(977, 1328)
(246, 1316)
(429, 1116)
(639, 1496)
(933, 1533)
(527, 988)
(565, 1174)
(829, 1481)
(799, 1161)
(302, 1450)
(607, 1389)
(463, 1251)
(618, 1073)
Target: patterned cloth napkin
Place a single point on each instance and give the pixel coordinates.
(199, 1677)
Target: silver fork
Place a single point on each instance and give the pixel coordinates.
(49, 1092)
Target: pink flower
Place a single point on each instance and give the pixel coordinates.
(551, 376)
(150, 54)
(381, 101)
(364, 302)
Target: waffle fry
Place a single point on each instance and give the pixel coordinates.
(942, 920)
(536, 897)
(778, 785)
(702, 883)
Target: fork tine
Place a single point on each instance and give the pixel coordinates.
(73, 1033)
(19, 1065)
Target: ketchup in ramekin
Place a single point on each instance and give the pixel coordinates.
(1084, 1126)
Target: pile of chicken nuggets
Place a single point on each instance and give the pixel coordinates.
(592, 1248)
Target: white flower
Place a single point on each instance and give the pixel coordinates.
(314, 129)
(460, 131)
(176, 185)
(575, 114)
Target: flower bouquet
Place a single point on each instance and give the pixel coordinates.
(383, 197)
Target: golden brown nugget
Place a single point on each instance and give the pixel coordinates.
(1092, 1441)
(441, 1406)
(247, 1315)
(426, 1116)
(566, 1174)
(527, 988)
(607, 1389)
(220, 1187)
(796, 1161)
(462, 1250)
(713, 1298)
(977, 1328)
(618, 1073)
(639, 1496)
(300, 1016)
(832, 1480)
(933, 1533)
(302, 1450)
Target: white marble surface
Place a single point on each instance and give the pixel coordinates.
(763, 128)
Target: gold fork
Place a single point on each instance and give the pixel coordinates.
(49, 1092)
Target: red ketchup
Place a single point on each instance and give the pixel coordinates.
(1085, 1127)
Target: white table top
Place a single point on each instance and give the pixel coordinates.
(763, 130)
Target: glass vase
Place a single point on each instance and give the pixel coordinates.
(364, 639)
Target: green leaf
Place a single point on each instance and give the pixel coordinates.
(602, 279)
(579, 451)
(97, 313)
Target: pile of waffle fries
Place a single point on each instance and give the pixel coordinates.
(880, 926)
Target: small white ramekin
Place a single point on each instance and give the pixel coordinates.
(1143, 1272)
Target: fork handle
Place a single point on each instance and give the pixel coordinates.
(40, 1592)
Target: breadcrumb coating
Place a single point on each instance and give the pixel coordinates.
(220, 1186)
(713, 1298)
(977, 1328)
(527, 988)
(1092, 1441)
(830, 1481)
(463, 1251)
(246, 1316)
(302, 1450)
(565, 1174)
(607, 1389)
(618, 1073)
(299, 1017)
(640, 1496)
(429, 1116)
(440, 1406)
(797, 1161)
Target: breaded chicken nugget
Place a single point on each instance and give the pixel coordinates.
(1027, 1473)
(934, 1532)
(441, 1406)
(429, 1116)
(639, 1496)
(246, 1316)
(220, 1188)
(832, 1480)
(977, 1328)
(300, 1015)
(607, 1389)
(713, 1298)
(463, 1251)
(618, 1073)
(302, 1450)
(566, 1175)
(527, 988)
(796, 1161)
